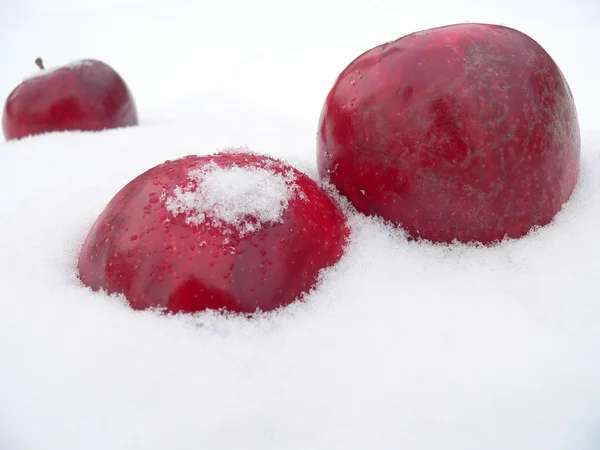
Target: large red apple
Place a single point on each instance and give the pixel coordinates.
(85, 95)
(235, 230)
(466, 132)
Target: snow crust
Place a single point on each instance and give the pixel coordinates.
(245, 197)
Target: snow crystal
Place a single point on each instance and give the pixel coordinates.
(245, 197)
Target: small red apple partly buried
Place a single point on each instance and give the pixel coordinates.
(86, 95)
(466, 132)
(233, 230)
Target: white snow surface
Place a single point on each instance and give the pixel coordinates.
(245, 197)
(402, 345)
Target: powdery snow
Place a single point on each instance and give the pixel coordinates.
(402, 345)
(246, 197)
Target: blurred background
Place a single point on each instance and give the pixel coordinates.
(282, 55)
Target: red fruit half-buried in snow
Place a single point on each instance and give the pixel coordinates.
(86, 95)
(236, 231)
(465, 132)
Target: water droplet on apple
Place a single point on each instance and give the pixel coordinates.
(153, 197)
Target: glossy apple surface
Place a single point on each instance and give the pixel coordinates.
(85, 95)
(236, 231)
(466, 132)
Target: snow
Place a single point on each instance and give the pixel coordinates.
(401, 345)
(245, 197)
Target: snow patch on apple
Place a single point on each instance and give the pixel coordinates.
(245, 197)
(49, 70)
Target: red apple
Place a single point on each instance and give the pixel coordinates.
(466, 132)
(83, 95)
(234, 231)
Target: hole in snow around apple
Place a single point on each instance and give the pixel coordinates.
(245, 197)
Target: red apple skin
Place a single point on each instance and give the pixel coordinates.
(157, 260)
(466, 132)
(86, 96)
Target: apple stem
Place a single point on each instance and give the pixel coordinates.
(40, 63)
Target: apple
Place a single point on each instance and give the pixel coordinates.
(235, 231)
(85, 95)
(463, 133)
